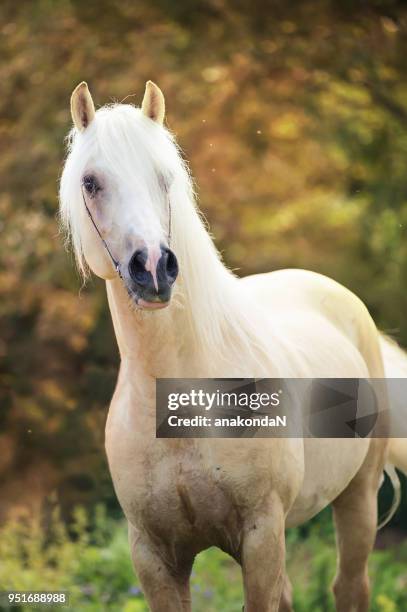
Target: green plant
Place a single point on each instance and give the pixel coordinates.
(91, 561)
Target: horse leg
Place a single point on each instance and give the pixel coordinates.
(164, 590)
(263, 559)
(286, 601)
(355, 515)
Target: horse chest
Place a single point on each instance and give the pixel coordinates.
(171, 490)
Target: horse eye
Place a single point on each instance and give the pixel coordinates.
(91, 185)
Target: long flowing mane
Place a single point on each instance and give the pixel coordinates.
(219, 313)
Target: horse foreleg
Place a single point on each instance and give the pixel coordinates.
(355, 514)
(263, 558)
(165, 590)
(286, 601)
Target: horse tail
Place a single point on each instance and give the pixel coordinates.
(395, 482)
(395, 366)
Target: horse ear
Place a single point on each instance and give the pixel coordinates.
(153, 105)
(82, 107)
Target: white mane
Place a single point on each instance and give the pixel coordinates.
(220, 315)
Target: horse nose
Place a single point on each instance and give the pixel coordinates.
(153, 272)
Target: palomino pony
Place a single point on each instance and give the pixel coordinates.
(128, 204)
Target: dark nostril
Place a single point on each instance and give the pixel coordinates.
(137, 267)
(171, 265)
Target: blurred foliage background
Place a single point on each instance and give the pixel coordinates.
(294, 119)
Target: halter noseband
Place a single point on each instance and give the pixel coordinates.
(115, 262)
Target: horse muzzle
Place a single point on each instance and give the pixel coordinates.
(152, 274)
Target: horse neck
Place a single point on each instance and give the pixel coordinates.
(161, 344)
(146, 341)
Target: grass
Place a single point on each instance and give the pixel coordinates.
(92, 563)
